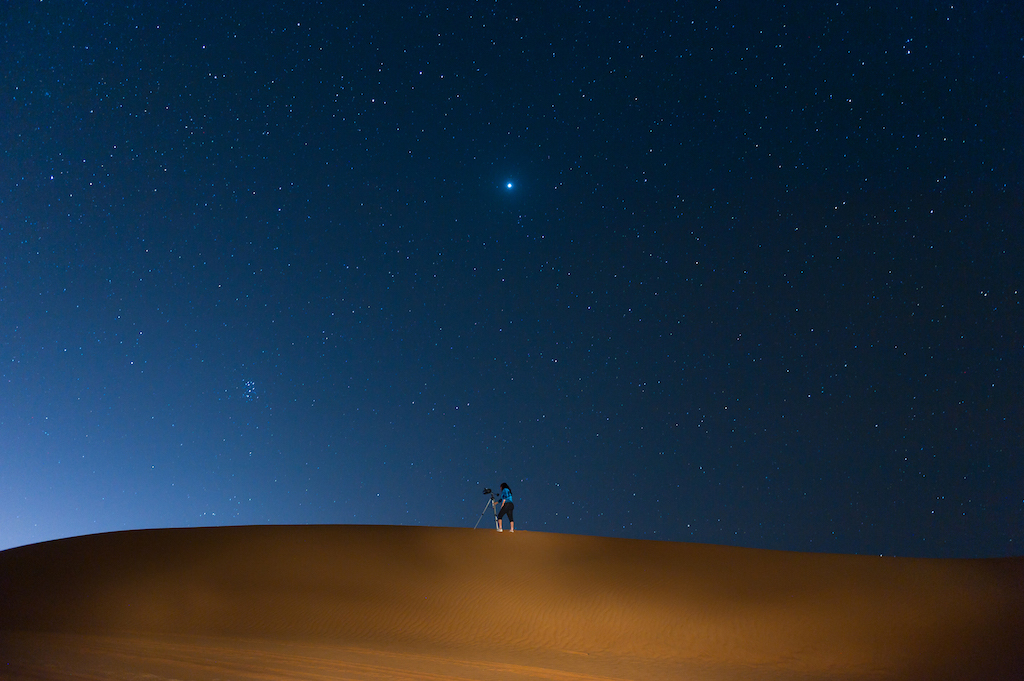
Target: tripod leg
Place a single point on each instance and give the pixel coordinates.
(481, 515)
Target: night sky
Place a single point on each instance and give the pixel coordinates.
(720, 272)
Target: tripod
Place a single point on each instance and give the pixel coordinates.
(491, 503)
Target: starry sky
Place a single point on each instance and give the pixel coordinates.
(696, 271)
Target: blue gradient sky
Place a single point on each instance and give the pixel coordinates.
(756, 281)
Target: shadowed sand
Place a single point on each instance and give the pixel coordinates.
(379, 602)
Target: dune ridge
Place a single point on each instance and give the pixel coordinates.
(585, 606)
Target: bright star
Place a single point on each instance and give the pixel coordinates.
(508, 186)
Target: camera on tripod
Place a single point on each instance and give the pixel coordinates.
(489, 503)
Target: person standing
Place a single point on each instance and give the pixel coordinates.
(506, 508)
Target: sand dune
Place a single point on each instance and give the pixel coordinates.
(359, 602)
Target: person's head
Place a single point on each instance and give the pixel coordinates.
(504, 485)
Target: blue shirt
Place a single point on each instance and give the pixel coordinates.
(506, 496)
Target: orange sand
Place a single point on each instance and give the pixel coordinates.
(377, 602)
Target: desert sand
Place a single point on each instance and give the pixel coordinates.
(380, 602)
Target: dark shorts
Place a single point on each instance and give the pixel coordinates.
(506, 510)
